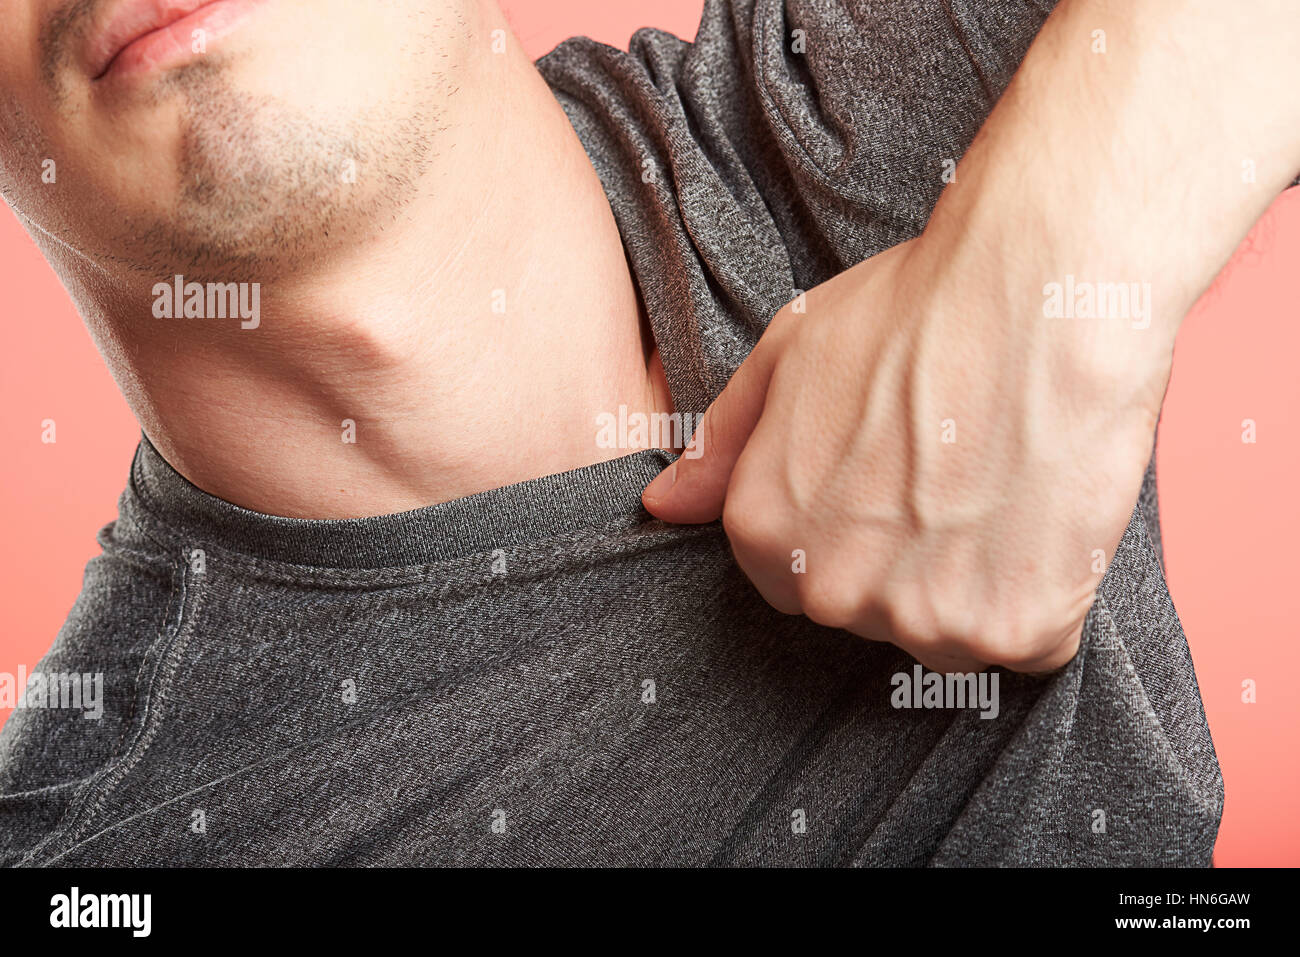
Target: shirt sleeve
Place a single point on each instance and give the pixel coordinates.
(788, 142)
(859, 105)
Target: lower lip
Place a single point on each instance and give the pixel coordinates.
(174, 44)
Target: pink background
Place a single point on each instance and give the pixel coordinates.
(1230, 515)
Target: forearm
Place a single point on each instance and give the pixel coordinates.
(1144, 164)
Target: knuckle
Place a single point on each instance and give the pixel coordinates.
(1018, 639)
(749, 523)
(829, 603)
(782, 599)
(827, 612)
(1063, 653)
(998, 644)
(959, 623)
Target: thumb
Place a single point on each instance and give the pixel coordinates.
(692, 490)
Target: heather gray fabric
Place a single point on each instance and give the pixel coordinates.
(541, 674)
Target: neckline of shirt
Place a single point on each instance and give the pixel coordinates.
(504, 517)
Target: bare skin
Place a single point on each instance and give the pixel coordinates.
(963, 473)
(377, 296)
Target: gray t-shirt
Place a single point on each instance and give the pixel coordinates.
(542, 674)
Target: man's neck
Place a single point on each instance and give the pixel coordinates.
(470, 345)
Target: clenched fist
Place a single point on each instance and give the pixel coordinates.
(918, 454)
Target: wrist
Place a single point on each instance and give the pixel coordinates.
(1099, 330)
